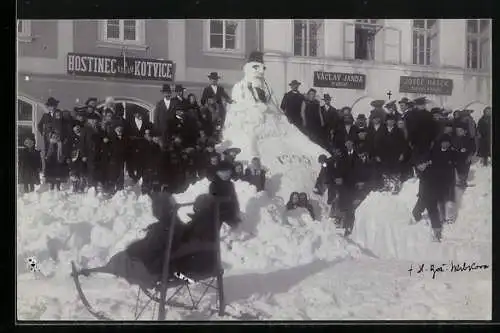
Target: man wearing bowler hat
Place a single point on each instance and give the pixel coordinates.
(44, 123)
(214, 90)
(164, 112)
(291, 103)
(330, 115)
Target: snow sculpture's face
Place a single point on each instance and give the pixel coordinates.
(254, 71)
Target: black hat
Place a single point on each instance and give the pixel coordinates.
(29, 136)
(462, 125)
(327, 97)
(179, 88)
(256, 56)
(225, 166)
(378, 103)
(90, 99)
(80, 109)
(390, 105)
(404, 100)
(294, 83)
(166, 88)
(345, 108)
(361, 116)
(322, 158)
(213, 76)
(52, 102)
(233, 150)
(420, 101)
(378, 114)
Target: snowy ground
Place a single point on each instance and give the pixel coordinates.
(278, 267)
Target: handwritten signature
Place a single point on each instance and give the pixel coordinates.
(451, 267)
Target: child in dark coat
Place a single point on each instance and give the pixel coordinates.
(55, 167)
(223, 188)
(293, 202)
(464, 147)
(304, 203)
(321, 181)
(238, 172)
(30, 164)
(77, 166)
(255, 174)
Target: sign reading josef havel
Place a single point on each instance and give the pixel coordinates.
(425, 85)
(339, 80)
(111, 66)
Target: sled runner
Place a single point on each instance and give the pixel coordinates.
(190, 263)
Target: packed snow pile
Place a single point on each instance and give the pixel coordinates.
(383, 224)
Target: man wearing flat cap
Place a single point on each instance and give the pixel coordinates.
(291, 102)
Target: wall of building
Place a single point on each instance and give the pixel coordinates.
(44, 40)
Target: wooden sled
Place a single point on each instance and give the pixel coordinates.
(157, 292)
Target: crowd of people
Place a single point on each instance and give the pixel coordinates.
(380, 150)
(94, 146)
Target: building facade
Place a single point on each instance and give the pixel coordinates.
(355, 61)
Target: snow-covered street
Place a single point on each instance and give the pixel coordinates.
(275, 270)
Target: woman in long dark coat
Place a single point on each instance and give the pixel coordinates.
(312, 118)
(484, 134)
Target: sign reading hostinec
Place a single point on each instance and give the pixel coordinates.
(425, 85)
(339, 80)
(120, 67)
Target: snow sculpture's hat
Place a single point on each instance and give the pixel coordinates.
(256, 56)
(378, 103)
(166, 88)
(294, 83)
(213, 76)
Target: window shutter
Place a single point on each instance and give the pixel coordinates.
(391, 45)
(104, 29)
(348, 40)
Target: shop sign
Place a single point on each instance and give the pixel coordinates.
(425, 85)
(339, 80)
(120, 67)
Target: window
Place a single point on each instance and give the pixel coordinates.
(123, 31)
(224, 35)
(24, 120)
(24, 30)
(478, 44)
(425, 43)
(365, 32)
(308, 38)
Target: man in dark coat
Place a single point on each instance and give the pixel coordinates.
(464, 147)
(377, 111)
(346, 131)
(393, 154)
(312, 118)
(44, 123)
(164, 112)
(484, 136)
(405, 105)
(92, 138)
(347, 188)
(376, 147)
(135, 133)
(421, 127)
(291, 103)
(77, 166)
(29, 164)
(393, 110)
(330, 116)
(214, 90)
(117, 162)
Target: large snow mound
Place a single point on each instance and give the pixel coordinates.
(383, 224)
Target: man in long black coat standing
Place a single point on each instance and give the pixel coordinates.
(214, 90)
(421, 126)
(292, 102)
(135, 131)
(484, 134)
(164, 113)
(44, 123)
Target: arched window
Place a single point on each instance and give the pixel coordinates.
(128, 106)
(25, 115)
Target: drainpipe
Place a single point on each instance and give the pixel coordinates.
(257, 29)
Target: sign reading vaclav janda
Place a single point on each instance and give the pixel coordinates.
(109, 66)
(425, 85)
(339, 80)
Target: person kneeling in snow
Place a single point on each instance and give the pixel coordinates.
(255, 174)
(304, 203)
(222, 187)
(293, 202)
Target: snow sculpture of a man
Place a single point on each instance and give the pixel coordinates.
(256, 125)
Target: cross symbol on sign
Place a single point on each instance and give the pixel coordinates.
(389, 94)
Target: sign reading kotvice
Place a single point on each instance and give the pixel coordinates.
(120, 67)
(425, 85)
